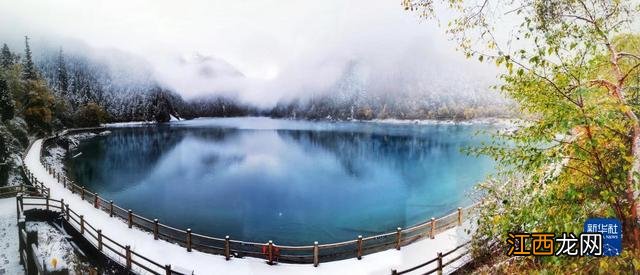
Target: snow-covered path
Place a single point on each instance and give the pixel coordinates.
(9, 255)
(202, 263)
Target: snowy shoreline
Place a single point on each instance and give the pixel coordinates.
(503, 122)
(202, 263)
(475, 121)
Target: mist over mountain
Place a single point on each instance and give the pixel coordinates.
(329, 59)
(129, 88)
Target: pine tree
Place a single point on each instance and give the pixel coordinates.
(28, 70)
(7, 106)
(62, 74)
(6, 58)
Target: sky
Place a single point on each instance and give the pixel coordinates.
(261, 51)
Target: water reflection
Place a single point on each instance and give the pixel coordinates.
(291, 182)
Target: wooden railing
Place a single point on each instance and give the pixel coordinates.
(12, 191)
(271, 252)
(438, 260)
(121, 253)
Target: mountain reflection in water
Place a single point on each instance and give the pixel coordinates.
(293, 182)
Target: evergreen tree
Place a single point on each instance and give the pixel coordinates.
(6, 58)
(7, 106)
(62, 75)
(29, 69)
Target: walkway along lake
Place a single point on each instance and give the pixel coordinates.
(293, 182)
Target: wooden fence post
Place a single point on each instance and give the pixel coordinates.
(167, 269)
(188, 239)
(394, 272)
(155, 229)
(47, 200)
(18, 205)
(459, 216)
(99, 239)
(316, 252)
(432, 235)
(227, 248)
(359, 247)
(66, 208)
(64, 182)
(62, 206)
(130, 218)
(82, 194)
(398, 238)
(128, 256)
(48, 192)
(440, 263)
(270, 252)
(95, 200)
(110, 209)
(81, 224)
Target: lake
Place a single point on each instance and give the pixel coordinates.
(293, 182)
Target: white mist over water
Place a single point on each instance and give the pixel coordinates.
(258, 51)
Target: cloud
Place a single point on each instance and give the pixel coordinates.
(261, 51)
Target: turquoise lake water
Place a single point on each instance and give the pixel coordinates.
(294, 182)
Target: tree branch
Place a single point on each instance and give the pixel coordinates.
(605, 83)
(626, 54)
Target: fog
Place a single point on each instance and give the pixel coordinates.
(262, 51)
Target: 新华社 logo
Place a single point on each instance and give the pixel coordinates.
(600, 237)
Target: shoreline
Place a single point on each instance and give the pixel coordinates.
(503, 122)
(57, 154)
(204, 263)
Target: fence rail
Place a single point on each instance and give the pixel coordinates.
(439, 260)
(123, 254)
(272, 253)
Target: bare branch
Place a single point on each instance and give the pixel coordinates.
(606, 84)
(626, 54)
(624, 77)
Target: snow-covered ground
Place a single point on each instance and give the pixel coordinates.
(202, 263)
(500, 122)
(128, 124)
(9, 244)
(55, 249)
(489, 121)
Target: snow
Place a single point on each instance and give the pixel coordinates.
(202, 263)
(476, 121)
(53, 245)
(174, 118)
(54, 159)
(9, 244)
(128, 124)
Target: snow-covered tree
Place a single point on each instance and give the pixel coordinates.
(28, 68)
(6, 57)
(7, 106)
(62, 76)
